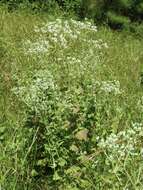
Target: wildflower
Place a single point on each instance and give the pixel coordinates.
(35, 95)
(123, 143)
(40, 46)
(111, 87)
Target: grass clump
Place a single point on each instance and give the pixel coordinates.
(71, 96)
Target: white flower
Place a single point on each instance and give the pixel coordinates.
(62, 33)
(111, 87)
(123, 143)
(35, 94)
(40, 46)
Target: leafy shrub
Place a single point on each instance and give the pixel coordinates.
(76, 132)
(64, 121)
(75, 124)
(71, 107)
(116, 21)
(117, 13)
(40, 5)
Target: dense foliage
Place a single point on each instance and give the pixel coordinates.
(71, 105)
(117, 13)
(40, 5)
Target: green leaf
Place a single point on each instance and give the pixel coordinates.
(62, 162)
(56, 176)
(34, 173)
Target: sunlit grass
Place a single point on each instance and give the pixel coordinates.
(95, 93)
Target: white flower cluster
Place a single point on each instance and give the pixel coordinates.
(35, 95)
(70, 27)
(61, 33)
(40, 46)
(74, 63)
(111, 87)
(124, 143)
(99, 44)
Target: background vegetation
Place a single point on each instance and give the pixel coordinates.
(117, 13)
(71, 103)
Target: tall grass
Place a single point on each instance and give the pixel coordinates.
(71, 107)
